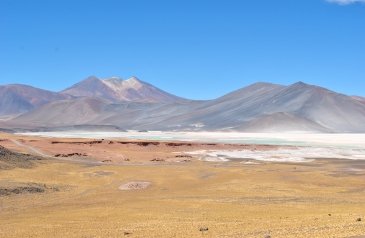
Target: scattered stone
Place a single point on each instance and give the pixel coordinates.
(203, 229)
(135, 186)
(144, 143)
(10, 159)
(179, 144)
(157, 160)
(19, 190)
(147, 143)
(184, 156)
(70, 155)
(186, 160)
(25, 188)
(78, 142)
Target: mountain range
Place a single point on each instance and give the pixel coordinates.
(132, 104)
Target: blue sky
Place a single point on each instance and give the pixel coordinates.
(198, 49)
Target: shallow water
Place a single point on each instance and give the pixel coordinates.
(295, 155)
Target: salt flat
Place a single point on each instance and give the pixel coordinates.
(295, 155)
(297, 138)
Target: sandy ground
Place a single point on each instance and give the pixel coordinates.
(117, 151)
(81, 194)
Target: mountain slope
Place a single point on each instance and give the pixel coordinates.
(360, 99)
(283, 122)
(329, 110)
(259, 107)
(337, 112)
(118, 90)
(17, 98)
(90, 87)
(76, 111)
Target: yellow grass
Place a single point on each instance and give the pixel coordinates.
(232, 200)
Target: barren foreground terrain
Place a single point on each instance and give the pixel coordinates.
(120, 188)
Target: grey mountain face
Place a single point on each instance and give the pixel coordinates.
(360, 99)
(261, 107)
(16, 99)
(90, 87)
(119, 90)
(279, 107)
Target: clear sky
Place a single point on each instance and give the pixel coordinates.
(198, 49)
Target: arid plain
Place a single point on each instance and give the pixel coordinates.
(125, 188)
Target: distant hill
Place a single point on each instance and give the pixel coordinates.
(133, 104)
(16, 98)
(321, 109)
(119, 90)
